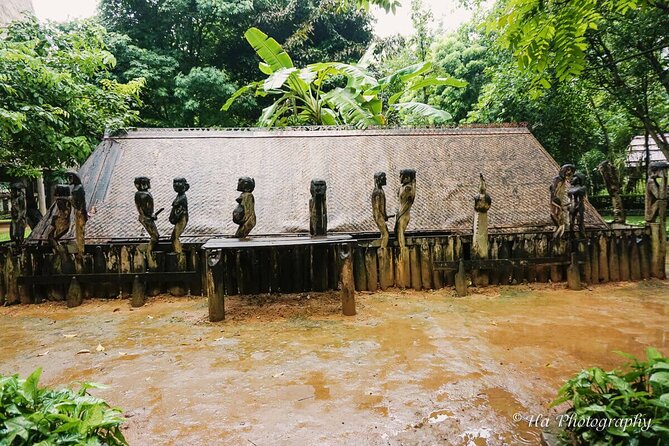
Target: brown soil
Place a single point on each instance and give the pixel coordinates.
(411, 368)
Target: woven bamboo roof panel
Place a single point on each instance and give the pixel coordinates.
(517, 169)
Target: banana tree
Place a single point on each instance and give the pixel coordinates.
(333, 93)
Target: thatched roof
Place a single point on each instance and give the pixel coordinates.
(517, 169)
(11, 10)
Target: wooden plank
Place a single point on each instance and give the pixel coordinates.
(414, 268)
(265, 242)
(437, 256)
(426, 265)
(614, 264)
(359, 272)
(623, 247)
(594, 259)
(603, 259)
(635, 260)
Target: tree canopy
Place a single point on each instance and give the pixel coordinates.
(57, 98)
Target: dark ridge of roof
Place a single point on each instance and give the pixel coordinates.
(517, 169)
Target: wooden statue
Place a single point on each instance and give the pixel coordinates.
(407, 195)
(78, 200)
(318, 209)
(482, 203)
(612, 182)
(577, 194)
(379, 207)
(559, 199)
(60, 222)
(144, 204)
(179, 214)
(17, 228)
(656, 209)
(656, 192)
(245, 214)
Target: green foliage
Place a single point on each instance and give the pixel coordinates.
(30, 415)
(57, 99)
(333, 93)
(166, 40)
(642, 391)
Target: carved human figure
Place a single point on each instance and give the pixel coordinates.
(17, 228)
(78, 200)
(144, 204)
(577, 193)
(559, 198)
(179, 214)
(379, 207)
(656, 191)
(318, 209)
(60, 221)
(245, 214)
(407, 195)
(482, 200)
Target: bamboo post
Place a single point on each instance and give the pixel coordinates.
(372, 271)
(347, 282)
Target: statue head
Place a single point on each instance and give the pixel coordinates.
(318, 188)
(567, 171)
(578, 179)
(180, 185)
(246, 184)
(17, 188)
(62, 196)
(73, 178)
(657, 167)
(380, 179)
(142, 183)
(482, 187)
(407, 176)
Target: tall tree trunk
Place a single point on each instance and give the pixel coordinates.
(612, 182)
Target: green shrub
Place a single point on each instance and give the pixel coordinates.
(599, 400)
(30, 415)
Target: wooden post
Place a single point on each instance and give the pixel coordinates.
(11, 274)
(347, 282)
(505, 271)
(425, 265)
(658, 245)
(138, 286)
(603, 259)
(635, 260)
(614, 263)
(372, 270)
(415, 268)
(584, 254)
(23, 269)
(517, 253)
(574, 274)
(593, 244)
(74, 297)
(543, 271)
(402, 269)
(385, 256)
(275, 273)
(494, 255)
(125, 263)
(437, 256)
(449, 256)
(175, 264)
(558, 251)
(196, 283)
(3, 287)
(461, 280)
(645, 256)
(623, 247)
(360, 273)
(216, 287)
(530, 251)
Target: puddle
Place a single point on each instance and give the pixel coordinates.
(410, 368)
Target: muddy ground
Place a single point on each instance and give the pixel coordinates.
(411, 368)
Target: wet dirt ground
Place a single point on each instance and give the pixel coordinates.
(411, 368)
